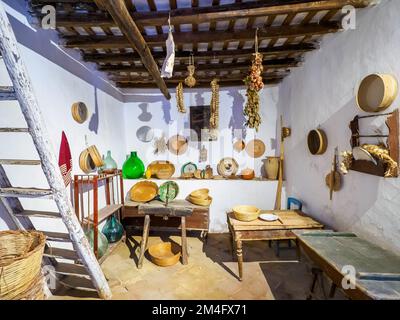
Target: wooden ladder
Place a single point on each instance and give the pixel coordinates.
(80, 263)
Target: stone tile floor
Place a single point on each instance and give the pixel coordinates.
(210, 274)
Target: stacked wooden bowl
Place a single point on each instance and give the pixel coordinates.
(246, 213)
(200, 197)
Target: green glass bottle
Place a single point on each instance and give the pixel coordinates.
(113, 229)
(102, 242)
(109, 163)
(133, 167)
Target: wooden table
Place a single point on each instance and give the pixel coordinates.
(264, 230)
(377, 270)
(176, 208)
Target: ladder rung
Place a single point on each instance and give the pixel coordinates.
(41, 214)
(56, 236)
(14, 130)
(72, 269)
(7, 94)
(78, 283)
(16, 162)
(13, 192)
(60, 253)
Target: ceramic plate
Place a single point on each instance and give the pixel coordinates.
(227, 167)
(168, 190)
(255, 148)
(145, 134)
(268, 217)
(189, 167)
(360, 153)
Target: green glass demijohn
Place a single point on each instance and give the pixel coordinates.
(109, 163)
(102, 242)
(133, 167)
(113, 229)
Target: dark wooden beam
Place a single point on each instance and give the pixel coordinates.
(120, 14)
(234, 83)
(207, 67)
(110, 42)
(204, 55)
(214, 13)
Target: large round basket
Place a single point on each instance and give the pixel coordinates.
(21, 254)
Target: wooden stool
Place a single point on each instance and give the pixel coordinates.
(159, 209)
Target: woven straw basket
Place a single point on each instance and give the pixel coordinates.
(21, 255)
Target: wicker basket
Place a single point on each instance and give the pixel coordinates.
(21, 254)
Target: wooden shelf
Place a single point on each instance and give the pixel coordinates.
(105, 212)
(194, 179)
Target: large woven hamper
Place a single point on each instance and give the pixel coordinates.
(21, 254)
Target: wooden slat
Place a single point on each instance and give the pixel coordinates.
(26, 193)
(71, 269)
(39, 214)
(7, 94)
(60, 253)
(96, 42)
(19, 162)
(105, 212)
(77, 283)
(56, 236)
(14, 130)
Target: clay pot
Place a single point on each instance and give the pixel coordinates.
(271, 166)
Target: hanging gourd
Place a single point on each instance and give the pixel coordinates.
(254, 83)
(190, 81)
(179, 98)
(214, 118)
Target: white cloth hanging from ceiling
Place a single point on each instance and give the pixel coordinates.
(168, 65)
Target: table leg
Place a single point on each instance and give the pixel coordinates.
(145, 238)
(239, 254)
(233, 244)
(298, 250)
(184, 241)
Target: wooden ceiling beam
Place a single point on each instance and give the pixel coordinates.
(110, 42)
(203, 55)
(120, 14)
(198, 15)
(277, 63)
(233, 83)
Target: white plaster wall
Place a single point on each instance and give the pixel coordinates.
(322, 93)
(149, 108)
(56, 89)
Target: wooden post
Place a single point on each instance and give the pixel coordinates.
(76, 195)
(41, 138)
(107, 189)
(120, 14)
(95, 216)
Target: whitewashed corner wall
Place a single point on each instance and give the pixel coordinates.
(57, 86)
(322, 93)
(149, 108)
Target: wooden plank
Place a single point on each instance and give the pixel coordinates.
(21, 162)
(7, 94)
(19, 192)
(214, 13)
(56, 236)
(72, 269)
(41, 139)
(60, 253)
(38, 214)
(77, 283)
(120, 14)
(110, 42)
(204, 55)
(105, 212)
(17, 130)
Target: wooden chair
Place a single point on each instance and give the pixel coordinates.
(292, 203)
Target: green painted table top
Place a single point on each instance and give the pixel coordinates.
(378, 270)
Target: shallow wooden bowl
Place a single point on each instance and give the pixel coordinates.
(144, 191)
(200, 194)
(201, 202)
(246, 213)
(165, 254)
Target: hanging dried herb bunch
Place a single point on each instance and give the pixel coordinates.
(179, 98)
(190, 80)
(214, 119)
(254, 84)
